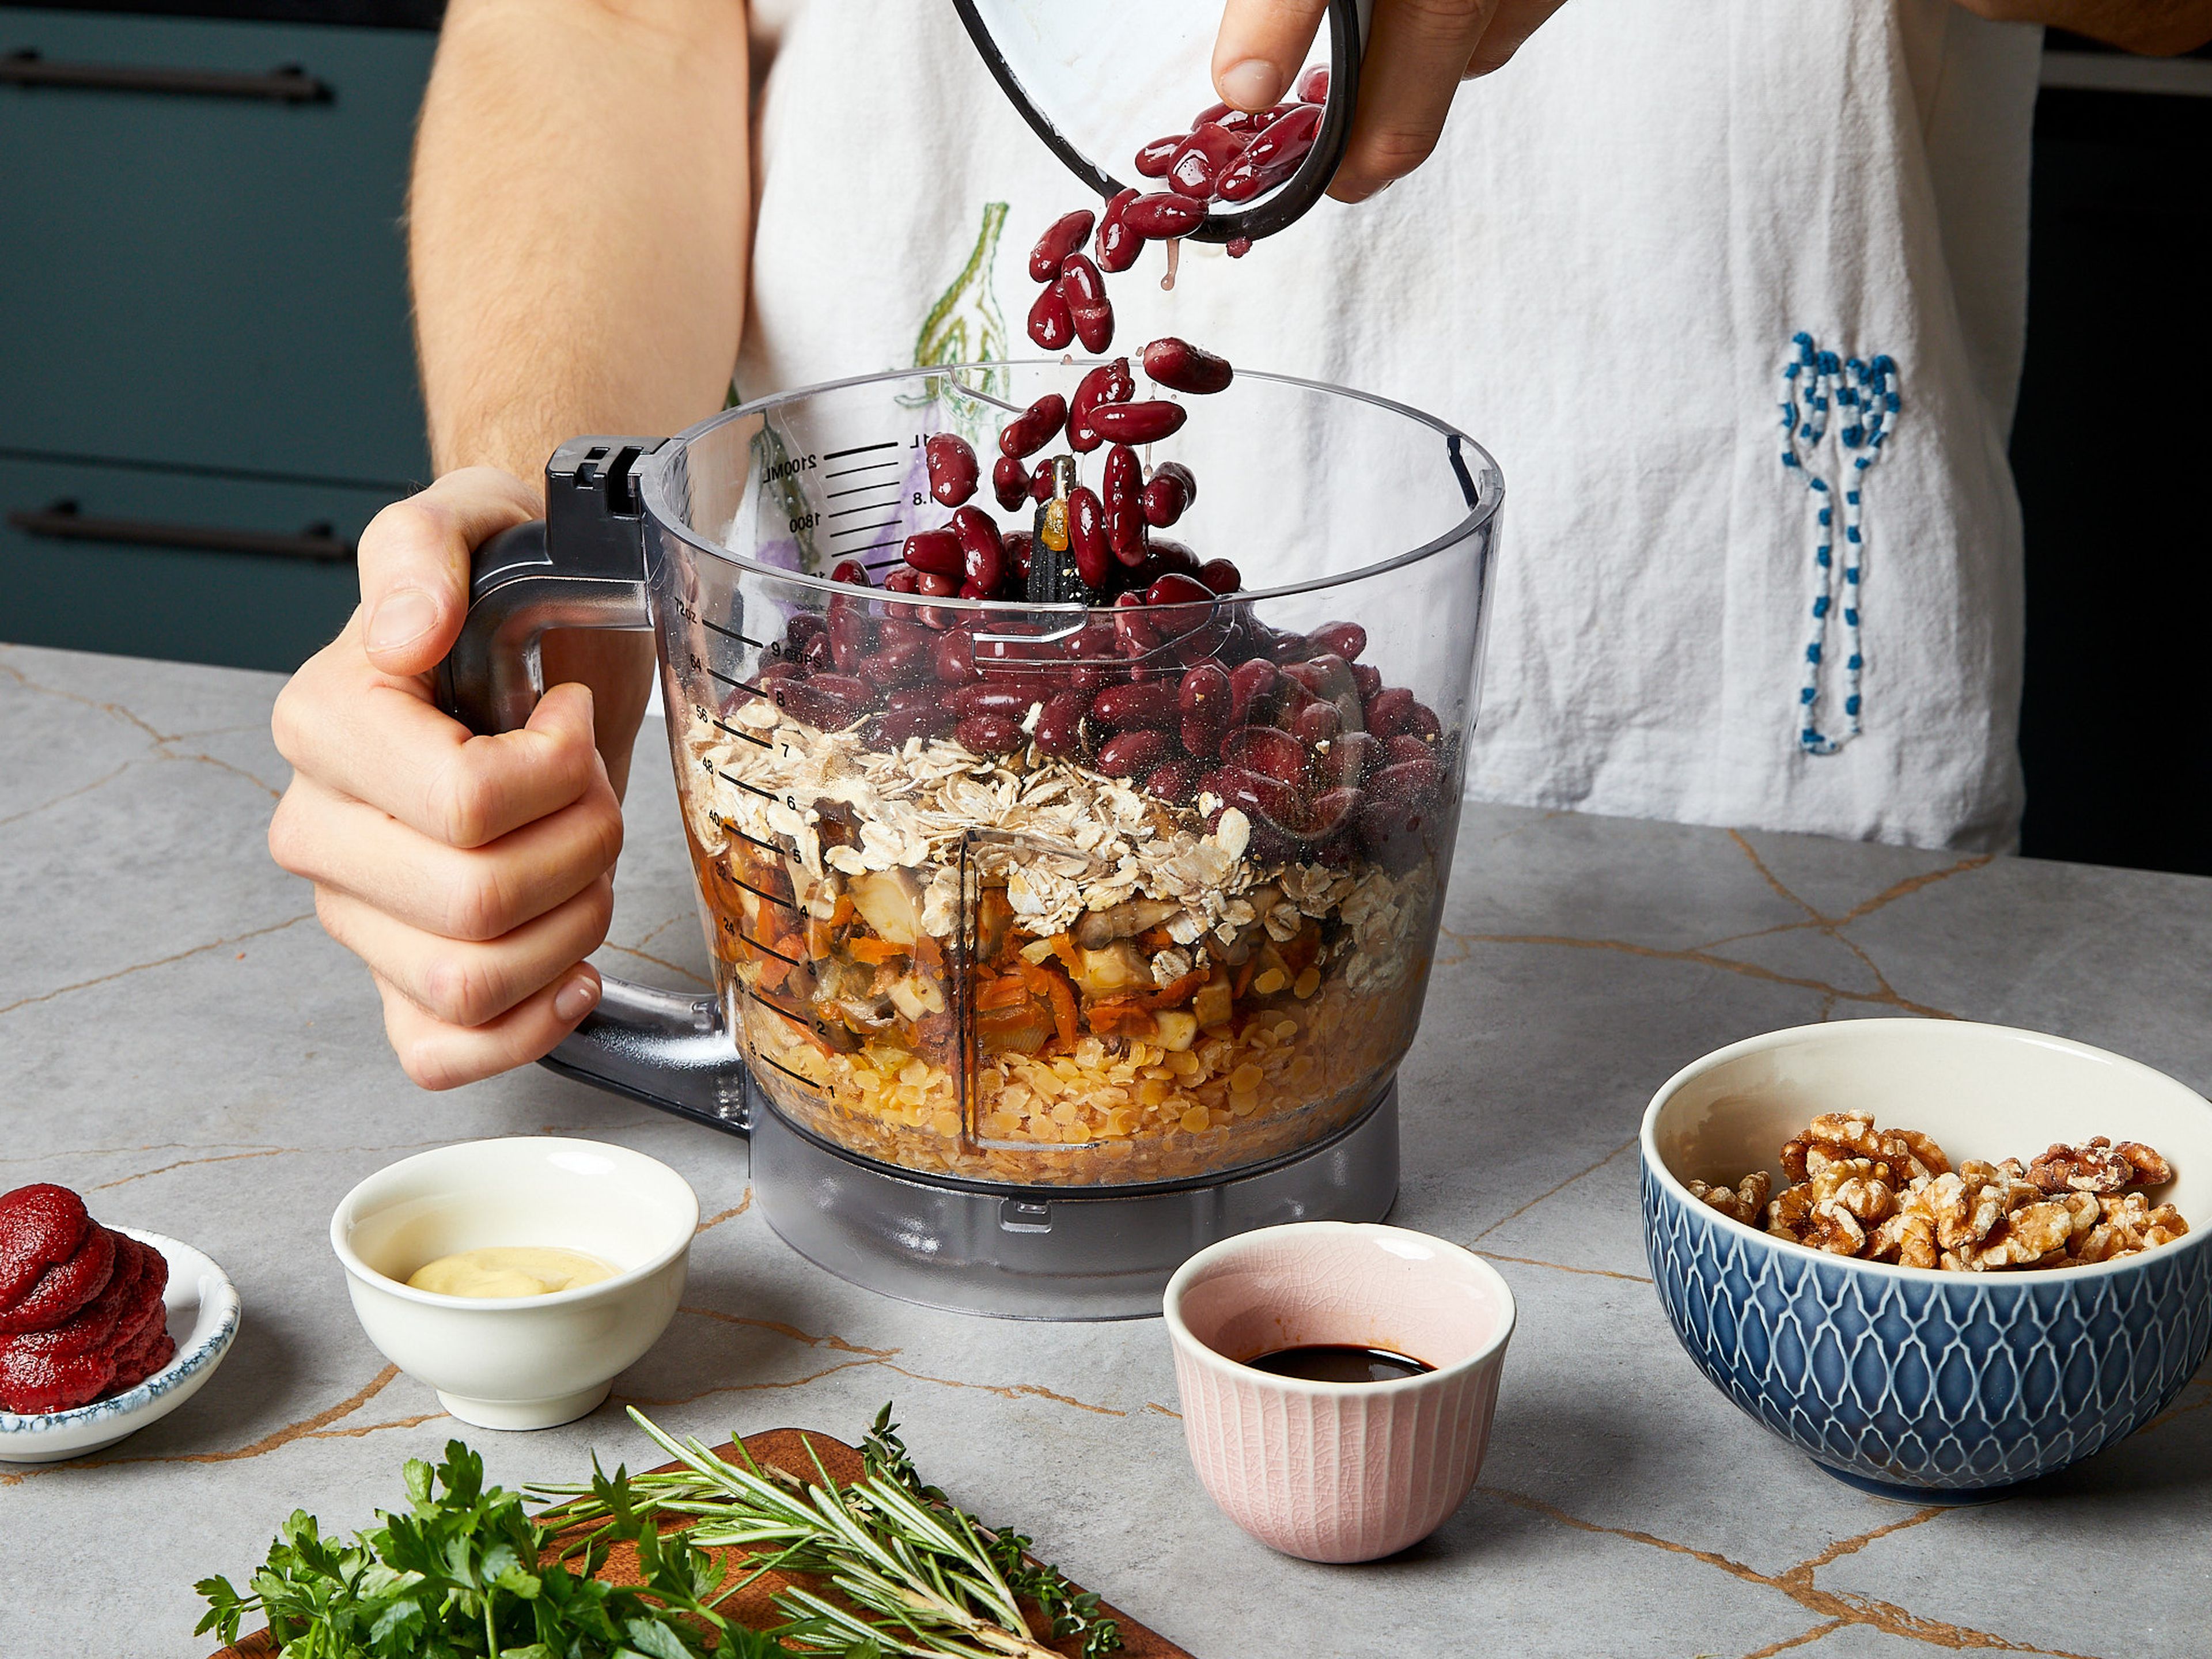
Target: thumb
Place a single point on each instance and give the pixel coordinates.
(1261, 48)
(414, 564)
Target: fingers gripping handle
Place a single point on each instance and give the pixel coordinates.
(583, 566)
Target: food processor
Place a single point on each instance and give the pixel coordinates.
(1015, 1023)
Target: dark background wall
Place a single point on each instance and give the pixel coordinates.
(204, 307)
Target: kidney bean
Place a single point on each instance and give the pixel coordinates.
(953, 661)
(1041, 482)
(1201, 737)
(1134, 633)
(1317, 723)
(1238, 246)
(1164, 498)
(1034, 427)
(1334, 810)
(1156, 704)
(904, 580)
(1009, 482)
(1163, 214)
(1087, 537)
(1163, 555)
(1060, 725)
(937, 550)
(1014, 555)
(902, 663)
(1186, 368)
(980, 560)
(803, 626)
(1221, 576)
(1138, 423)
(1152, 159)
(1176, 781)
(1204, 689)
(996, 695)
(1065, 235)
(1118, 245)
(1236, 120)
(852, 636)
(1424, 724)
(1368, 678)
(904, 699)
(1327, 676)
(951, 465)
(1413, 779)
(851, 572)
(1051, 325)
(1271, 157)
(1080, 282)
(1200, 158)
(815, 657)
(1312, 85)
(1287, 648)
(1389, 712)
(988, 734)
(1250, 682)
(828, 703)
(1259, 797)
(935, 585)
(1094, 325)
(1175, 588)
(1134, 753)
(1267, 750)
(1342, 639)
(1405, 747)
(1124, 532)
(1108, 383)
(1351, 758)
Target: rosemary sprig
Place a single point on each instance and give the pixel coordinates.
(923, 1578)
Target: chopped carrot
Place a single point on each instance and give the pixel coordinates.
(1303, 947)
(1059, 992)
(1245, 974)
(874, 950)
(1125, 1019)
(1063, 946)
(842, 912)
(773, 973)
(1003, 992)
(929, 955)
(1155, 939)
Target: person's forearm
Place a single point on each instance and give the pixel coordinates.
(578, 222)
(2159, 27)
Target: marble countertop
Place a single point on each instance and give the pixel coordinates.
(180, 1041)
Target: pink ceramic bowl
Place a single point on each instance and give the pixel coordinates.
(1338, 1471)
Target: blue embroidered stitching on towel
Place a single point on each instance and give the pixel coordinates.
(1815, 383)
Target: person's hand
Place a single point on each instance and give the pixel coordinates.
(1417, 52)
(472, 874)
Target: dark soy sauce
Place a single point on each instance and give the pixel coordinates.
(1333, 1361)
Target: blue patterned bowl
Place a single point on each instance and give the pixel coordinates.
(1915, 1383)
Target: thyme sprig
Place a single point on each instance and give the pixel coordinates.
(923, 1578)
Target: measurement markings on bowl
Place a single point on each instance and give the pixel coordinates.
(731, 827)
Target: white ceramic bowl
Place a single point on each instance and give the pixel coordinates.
(525, 1362)
(203, 1316)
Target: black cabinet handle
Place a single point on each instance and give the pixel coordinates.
(289, 84)
(64, 522)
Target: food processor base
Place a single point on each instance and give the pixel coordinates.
(1047, 1252)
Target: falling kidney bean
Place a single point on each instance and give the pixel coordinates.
(1094, 325)
(1138, 423)
(1312, 85)
(1152, 159)
(1034, 427)
(1066, 234)
(1165, 496)
(1080, 281)
(1186, 368)
(1163, 214)
(1200, 158)
(1009, 482)
(1177, 589)
(980, 560)
(936, 550)
(953, 467)
(1014, 547)
(1118, 246)
(1108, 383)
(1238, 246)
(1086, 538)
(1220, 574)
(1271, 157)
(1040, 482)
(1051, 325)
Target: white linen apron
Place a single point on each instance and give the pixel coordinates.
(1601, 275)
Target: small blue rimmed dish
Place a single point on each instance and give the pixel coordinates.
(203, 1311)
(1933, 1387)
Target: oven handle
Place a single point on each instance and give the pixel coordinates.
(62, 522)
(287, 84)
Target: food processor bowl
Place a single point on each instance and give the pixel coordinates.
(1050, 943)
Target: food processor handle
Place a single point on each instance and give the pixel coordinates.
(582, 566)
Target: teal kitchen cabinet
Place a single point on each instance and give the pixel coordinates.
(204, 291)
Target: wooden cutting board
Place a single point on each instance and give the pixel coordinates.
(786, 1450)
